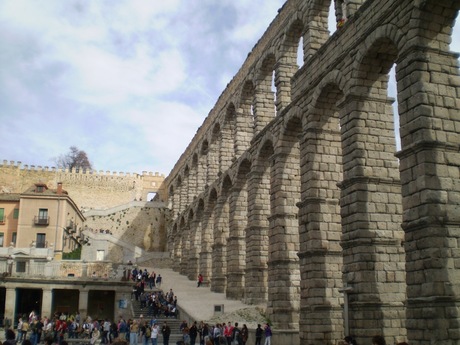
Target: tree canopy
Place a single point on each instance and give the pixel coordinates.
(74, 159)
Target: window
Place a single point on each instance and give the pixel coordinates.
(41, 241)
(16, 213)
(2, 239)
(43, 213)
(40, 189)
(42, 218)
(14, 237)
(100, 255)
(2, 215)
(21, 266)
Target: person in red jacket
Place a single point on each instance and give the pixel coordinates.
(228, 332)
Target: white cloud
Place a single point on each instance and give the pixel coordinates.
(128, 81)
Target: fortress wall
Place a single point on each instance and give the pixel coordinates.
(89, 189)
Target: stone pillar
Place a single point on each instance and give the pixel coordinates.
(351, 6)
(264, 107)
(244, 129)
(236, 244)
(10, 303)
(429, 165)
(185, 248)
(176, 201)
(213, 159)
(47, 303)
(186, 186)
(283, 238)
(373, 257)
(194, 251)
(316, 32)
(177, 256)
(219, 247)
(202, 171)
(321, 317)
(183, 195)
(83, 303)
(192, 180)
(226, 145)
(257, 236)
(207, 240)
(284, 70)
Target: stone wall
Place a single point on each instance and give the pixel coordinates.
(141, 224)
(298, 199)
(89, 189)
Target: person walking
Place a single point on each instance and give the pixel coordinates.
(154, 334)
(244, 333)
(200, 280)
(259, 332)
(133, 330)
(166, 332)
(268, 334)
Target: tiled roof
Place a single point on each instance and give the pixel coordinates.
(9, 197)
(46, 191)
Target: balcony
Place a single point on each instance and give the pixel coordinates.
(38, 220)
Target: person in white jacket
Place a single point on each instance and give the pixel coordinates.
(154, 334)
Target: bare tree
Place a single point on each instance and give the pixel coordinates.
(74, 159)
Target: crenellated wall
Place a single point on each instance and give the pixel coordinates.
(89, 189)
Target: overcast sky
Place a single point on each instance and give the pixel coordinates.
(127, 81)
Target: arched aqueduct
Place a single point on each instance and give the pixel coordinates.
(299, 199)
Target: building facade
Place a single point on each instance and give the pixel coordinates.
(42, 218)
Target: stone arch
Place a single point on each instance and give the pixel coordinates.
(369, 164)
(316, 31)
(236, 244)
(333, 77)
(207, 235)
(185, 265)
(434, 22)
(428, 80)
(221, 231)
(287, 64)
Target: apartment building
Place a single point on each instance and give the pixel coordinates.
(41, 218)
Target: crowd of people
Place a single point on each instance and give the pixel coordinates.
(219, 334)
(61, 327)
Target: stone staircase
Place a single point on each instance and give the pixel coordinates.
(174, 324)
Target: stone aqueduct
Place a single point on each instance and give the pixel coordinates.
(298, 199)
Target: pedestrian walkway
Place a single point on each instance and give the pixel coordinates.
(198, 303)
